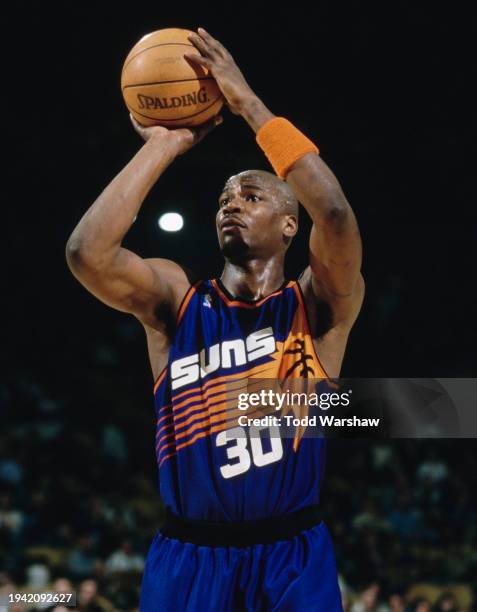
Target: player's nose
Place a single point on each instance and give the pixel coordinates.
(233, 205)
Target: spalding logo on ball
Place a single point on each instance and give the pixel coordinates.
(160, 87)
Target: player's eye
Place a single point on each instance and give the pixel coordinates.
(250, 197)
(223, 202)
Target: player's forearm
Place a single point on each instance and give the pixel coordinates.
(318, 190)
(98, 236)
(335, 237)
(312, 181)
(255, 113)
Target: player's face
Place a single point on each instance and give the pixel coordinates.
(250, 217)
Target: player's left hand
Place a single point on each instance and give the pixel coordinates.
(215, 57)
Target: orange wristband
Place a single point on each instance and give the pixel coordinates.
(283, 144)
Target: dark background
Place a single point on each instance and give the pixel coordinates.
(383, 91)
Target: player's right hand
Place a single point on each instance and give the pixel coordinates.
(182, 138)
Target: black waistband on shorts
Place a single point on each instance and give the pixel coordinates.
(240, 533)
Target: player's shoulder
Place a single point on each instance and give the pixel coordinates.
(175, 274)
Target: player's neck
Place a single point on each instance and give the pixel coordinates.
(254, 279)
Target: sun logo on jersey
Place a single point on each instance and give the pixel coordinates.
(301, 362)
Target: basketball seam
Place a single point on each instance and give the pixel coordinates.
(174, 81)
(177, 119)
(153, 47)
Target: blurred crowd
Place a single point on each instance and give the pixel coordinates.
(403, 515)
(79, 503)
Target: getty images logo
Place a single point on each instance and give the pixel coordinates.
(223, 354)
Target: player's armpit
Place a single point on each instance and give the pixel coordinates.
(132, 284)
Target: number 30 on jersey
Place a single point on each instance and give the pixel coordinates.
(243, 450)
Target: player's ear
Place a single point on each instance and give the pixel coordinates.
(290, 226)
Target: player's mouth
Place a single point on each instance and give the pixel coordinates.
(230, 223)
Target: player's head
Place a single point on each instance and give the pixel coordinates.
(257, 216)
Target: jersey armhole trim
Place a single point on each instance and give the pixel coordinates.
(180, 313)
(301, 300)
(160, 378)
(185, 301)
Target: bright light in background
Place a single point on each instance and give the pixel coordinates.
(171, 222)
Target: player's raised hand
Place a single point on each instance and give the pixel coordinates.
(182, 138)
(215, 57)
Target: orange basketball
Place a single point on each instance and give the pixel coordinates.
(160, 87)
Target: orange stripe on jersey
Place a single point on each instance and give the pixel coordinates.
(197, 436)
(160, 379)
(211, 406)
(221, 384)
(216, 415)
(246, 304)
(216, 410)
(221, 395)
(205, 413)
(166, 416)
(203, 406)
(194, 439)
(186, 300)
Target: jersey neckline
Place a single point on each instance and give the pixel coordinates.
(231, 300)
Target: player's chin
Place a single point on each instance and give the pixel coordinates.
(233, 247)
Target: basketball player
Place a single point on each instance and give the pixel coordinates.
(243, 528)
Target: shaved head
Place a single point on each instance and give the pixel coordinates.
(269, 181)
(257, 216)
